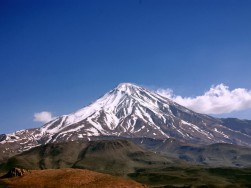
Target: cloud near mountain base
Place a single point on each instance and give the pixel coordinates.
(218, 99)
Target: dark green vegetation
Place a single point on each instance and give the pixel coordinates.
(123, 158)
(193, 176)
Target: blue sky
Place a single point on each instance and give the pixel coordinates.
(59, 56)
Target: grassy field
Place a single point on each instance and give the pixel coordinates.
(191, 177)
(65, 178)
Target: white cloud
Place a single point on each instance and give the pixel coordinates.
(43, 117)
(217, 100)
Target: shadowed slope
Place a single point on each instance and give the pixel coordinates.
(117, 157)
(214, 155)
(61, 155)
(110, 156)
(122, 157)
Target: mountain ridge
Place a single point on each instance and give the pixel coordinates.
(127, 110)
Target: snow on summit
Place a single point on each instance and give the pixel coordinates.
(129, 110)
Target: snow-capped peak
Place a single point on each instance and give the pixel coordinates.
(121, 108)
(127, 87)
(124, 96)
(129, 110)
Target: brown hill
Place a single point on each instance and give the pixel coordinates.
(67, 178)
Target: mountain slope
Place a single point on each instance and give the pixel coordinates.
(121, 157)
(118, 157)
(218, 155)
(127, 111)
(244, 126)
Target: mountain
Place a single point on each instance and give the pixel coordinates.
(122, 158)
(118, 157)
(127, 111)
(213, 155)
(244, 126)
